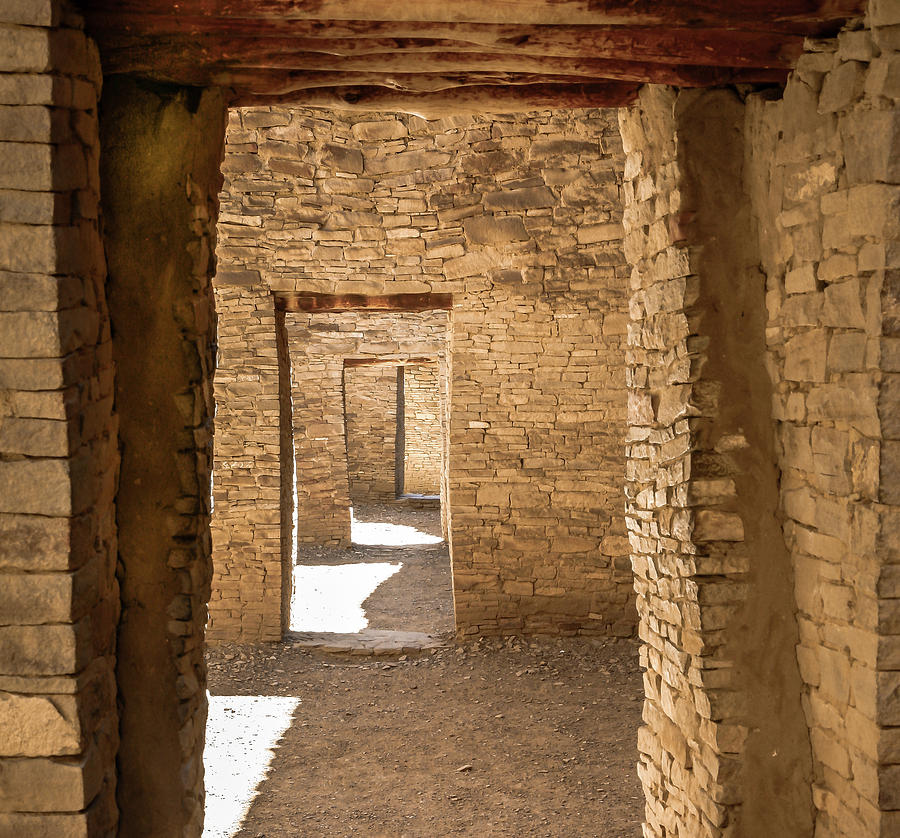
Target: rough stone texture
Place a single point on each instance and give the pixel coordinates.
(806, 184)
(341, 462)
(160, 175)
(370, 425)
(253, 455)
(827, 190)
(721, 752)
(520, 219)
(423, 421)
(58, 457)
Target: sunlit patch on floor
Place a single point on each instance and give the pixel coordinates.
(241, 732)
(389, 535)
(330, 597)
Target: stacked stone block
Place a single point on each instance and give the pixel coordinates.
(370, 416)
(808, 193)
(519, 217)
(422, 425)
(247, 539)
(722, 752)
(828, 191)
(59, 599)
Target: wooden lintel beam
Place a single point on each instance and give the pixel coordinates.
(294, 65)
(459, 100)
(535, 12)
(716, 47)
(317, 303)
(394, 362)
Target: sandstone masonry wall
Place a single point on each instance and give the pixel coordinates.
(827, 192)
(370, 401)
(723, 750)
(519, 218)
(247, 537)
(423, 422)
(58, 455)
(810, 184)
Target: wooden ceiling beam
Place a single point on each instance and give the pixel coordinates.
(397, 360)
(458, 100)
(537, 12)
(312, 302)
(279, 73)
(399, 82)
(720, 48)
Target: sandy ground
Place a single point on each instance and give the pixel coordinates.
(503, 737)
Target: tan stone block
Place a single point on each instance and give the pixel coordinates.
(39, 726)
(36, 487)
(29, 825)
(24, 50)
(841, 87)
(712, 525)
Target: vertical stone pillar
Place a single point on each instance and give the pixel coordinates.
(160, 175)
(725, 748)
(252, 455)
(58, 458)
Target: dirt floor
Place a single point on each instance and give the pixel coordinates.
(503, 737)
(417, 598)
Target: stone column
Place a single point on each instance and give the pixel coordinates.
(58, 457)
(725, 748)
(251, 550)
(160, 176)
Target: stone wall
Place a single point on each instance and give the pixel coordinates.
(370, 414)
(762, 232)
(160, 158)
(518, 217)
(323, 391)
(423, 422)
(827, 190)
(721, 752)
(248, 542)
(58, 456)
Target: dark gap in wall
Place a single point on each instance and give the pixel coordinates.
(400, 439)
(286, 457)
(344, 415)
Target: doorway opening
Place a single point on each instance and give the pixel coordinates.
(368, 386)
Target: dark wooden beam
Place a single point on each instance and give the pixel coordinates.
(125, 52)
(476, 99)
(393, 362)
(414, 83)
(313, 303)
(756, 13)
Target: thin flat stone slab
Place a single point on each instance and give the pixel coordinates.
(367, 642)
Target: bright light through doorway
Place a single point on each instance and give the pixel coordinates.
(241, 733)
(330, 597)
(381, 533)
